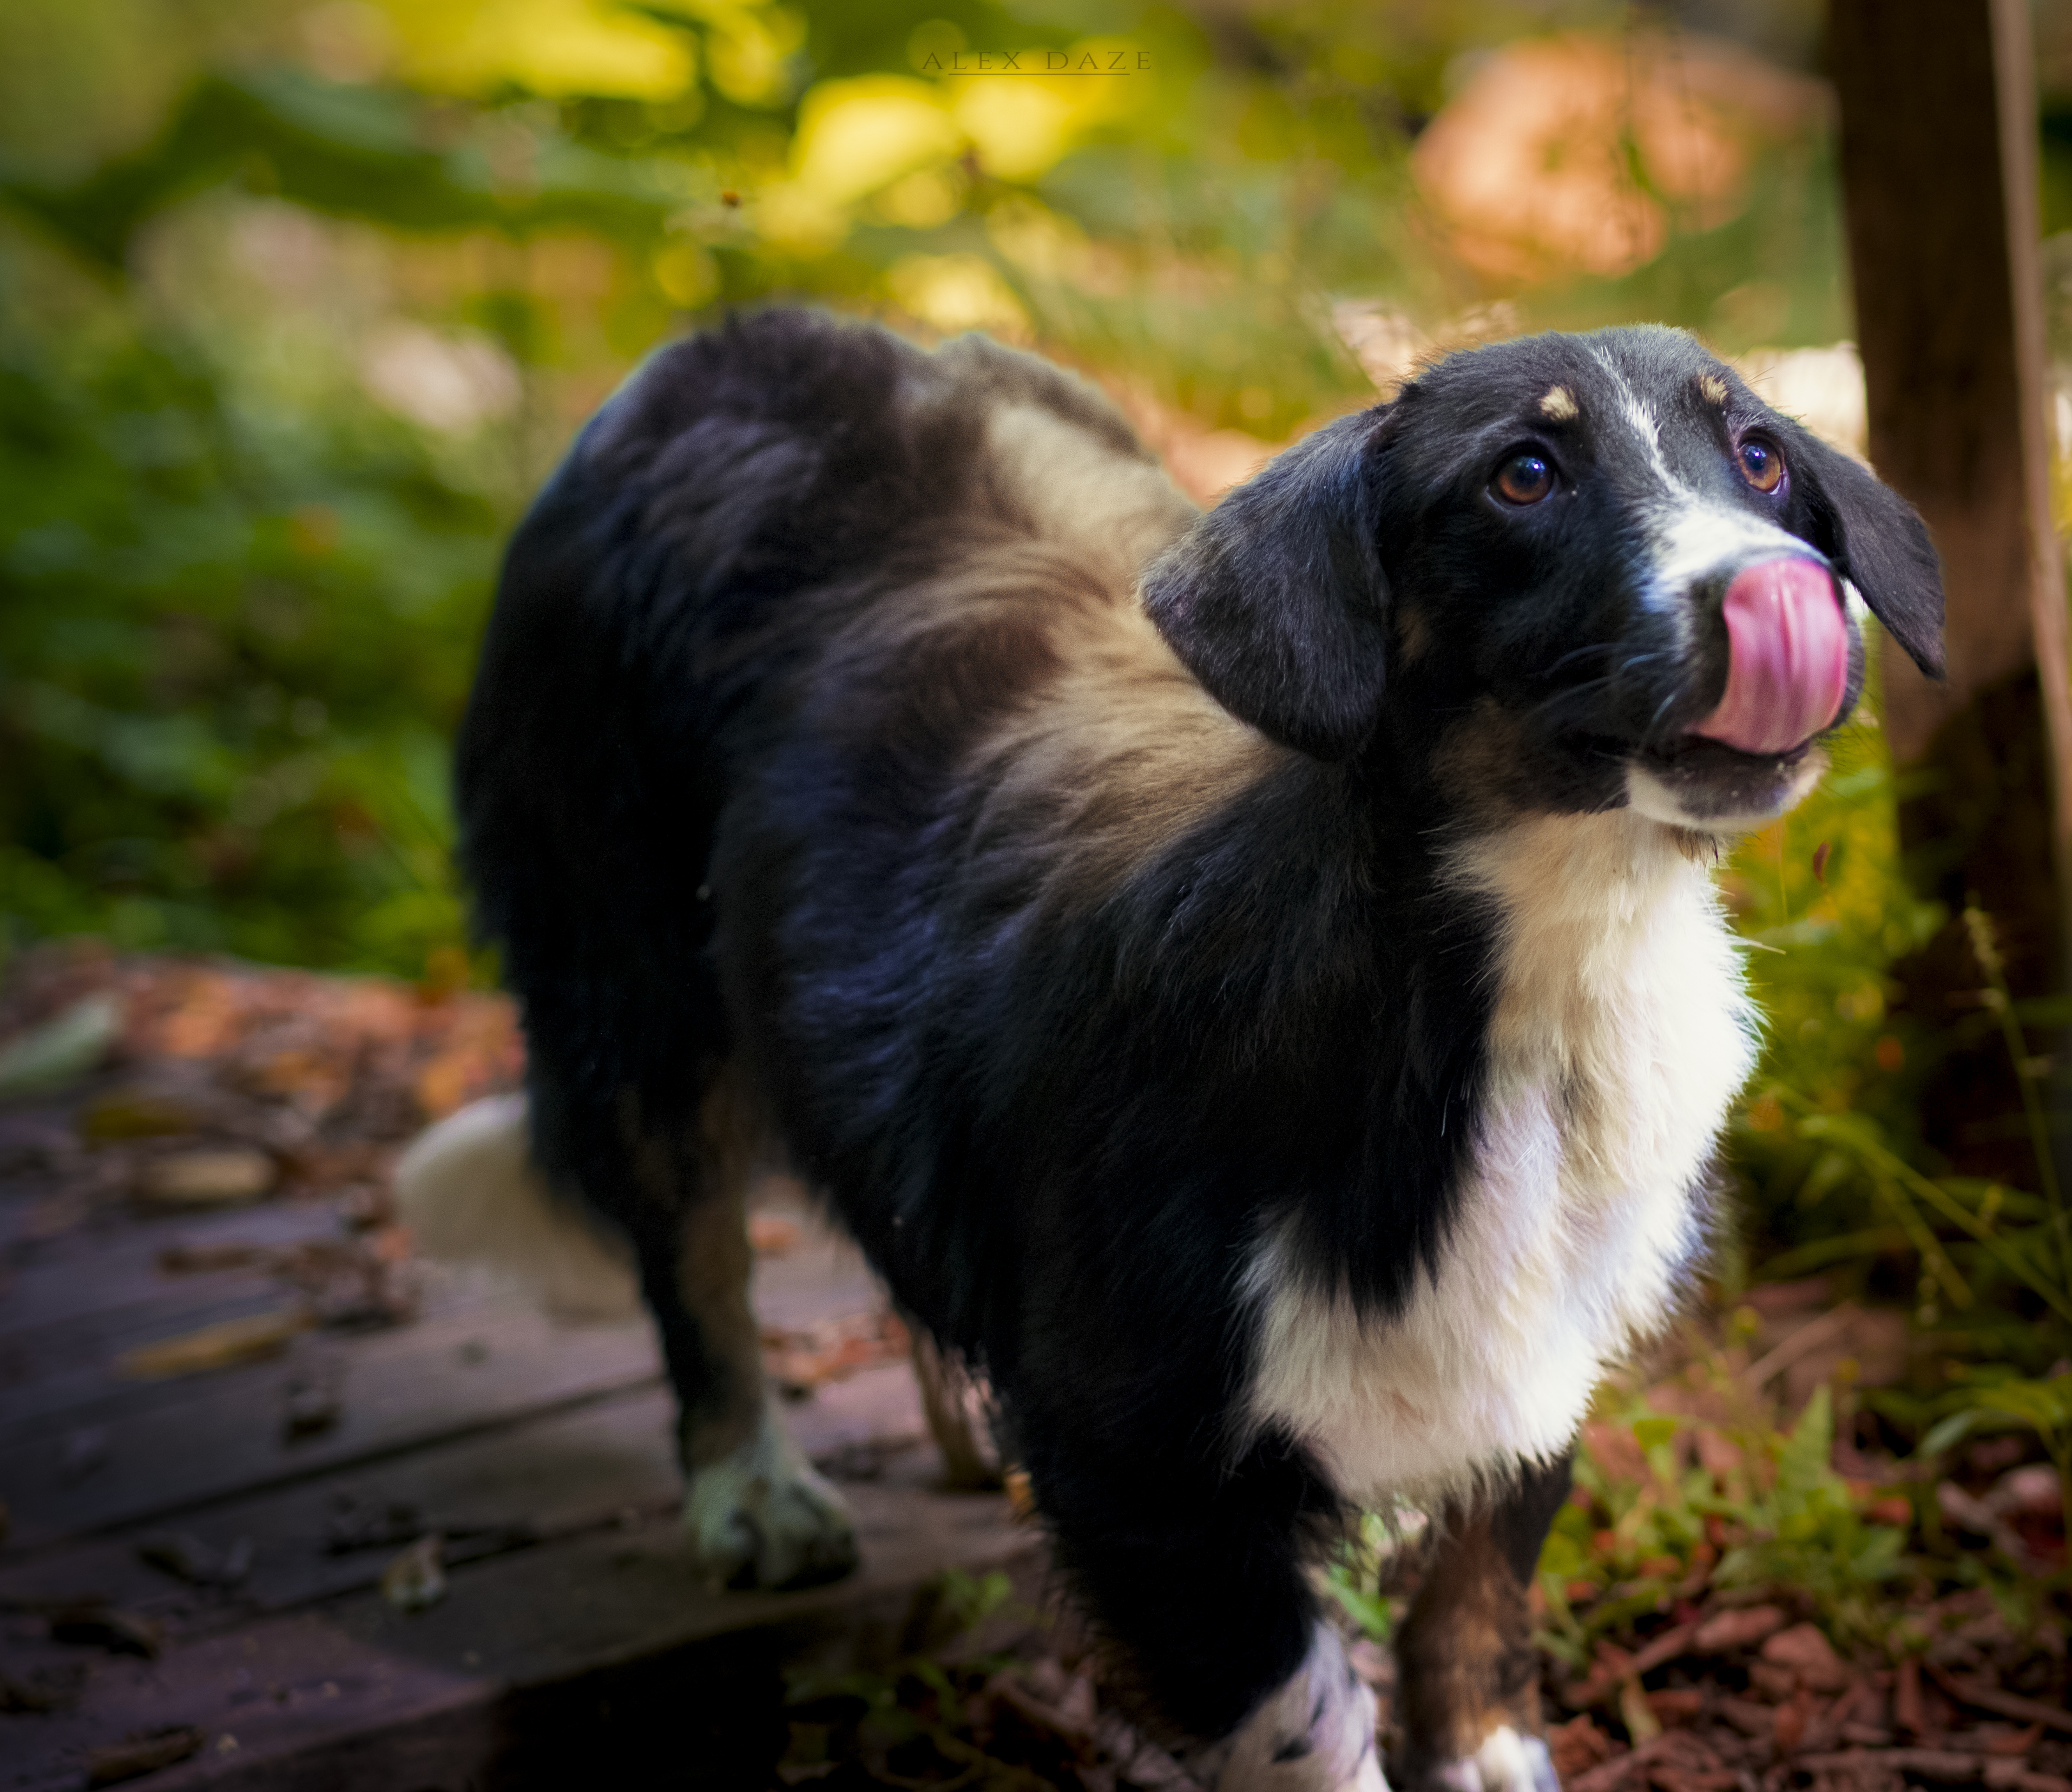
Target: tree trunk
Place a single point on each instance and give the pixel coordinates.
(1939, 173)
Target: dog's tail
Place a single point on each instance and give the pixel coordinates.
(470, 1191)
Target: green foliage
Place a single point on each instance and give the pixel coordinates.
(1992, 1397)
(232, 646)
(918, 1698)
(1828, 1154)
(1654, 1524)
(1354, 1569)
(240, 596)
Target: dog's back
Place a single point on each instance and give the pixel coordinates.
(786, 515)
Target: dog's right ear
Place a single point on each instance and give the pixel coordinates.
(1275, 599)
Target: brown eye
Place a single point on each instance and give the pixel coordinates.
(1762, 465)
(1523, 479)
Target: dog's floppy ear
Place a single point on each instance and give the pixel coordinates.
(1276, 598)
(1873, 534)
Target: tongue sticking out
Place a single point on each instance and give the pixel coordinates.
(1790, 658)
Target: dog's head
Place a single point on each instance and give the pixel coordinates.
(1597, 568)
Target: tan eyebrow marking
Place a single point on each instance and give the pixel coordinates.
(1712, 387)
(1558, 404)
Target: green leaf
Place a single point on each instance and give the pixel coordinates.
(1953, 1430)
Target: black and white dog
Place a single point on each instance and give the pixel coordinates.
(1251, 981)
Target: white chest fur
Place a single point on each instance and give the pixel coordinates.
(1620, 1034)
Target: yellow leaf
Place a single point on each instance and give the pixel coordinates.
(221, 1345)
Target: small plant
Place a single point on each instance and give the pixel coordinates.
(1667, 1510)
(1356, 1568)
(1996, 1399)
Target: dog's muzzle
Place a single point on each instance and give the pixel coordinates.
(1788, 662)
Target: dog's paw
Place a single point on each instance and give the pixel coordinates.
(1315, 1734)
(1506, 1762)
(762, 1518)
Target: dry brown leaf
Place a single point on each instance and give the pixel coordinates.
(416, 1578)
(1675, 1705)
(1984, 1697)
(1736, 1629)
(226, 1178)
(1805, 1650)
(147, 1752)
(222, 1346)
(100, 1625)
(135, 1114)
(1907, 1712)
(1576, 1745)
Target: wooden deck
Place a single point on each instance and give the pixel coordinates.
(573, 1640)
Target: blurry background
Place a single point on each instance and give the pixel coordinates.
(297, 304)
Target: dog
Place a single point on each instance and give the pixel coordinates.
(1250, 980)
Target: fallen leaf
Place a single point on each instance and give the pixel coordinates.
(1997, 1739)
(2031, 1489)
(1634, 1712)
(798, 1361)
(1603, 1777)
(1946, 1766)
(1576, 1745)
(1806, 1652)
(1675, 1705)
(1021, 1495)
(225, 1179)
(222, 1346)
(1982, 1698)
(1789, 1729)
(312, 1401)
(145, 1752)
(205, 1260)
(98, 1625)
(62, 1049)
(186, 1557)
(416, 1580)
(19, 1697)
(1736, 1629)
(135, 1114)
(1906, 1698)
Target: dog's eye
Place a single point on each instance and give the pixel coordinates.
(1523, 479)
(1762, 465)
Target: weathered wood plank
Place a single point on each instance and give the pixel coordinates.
(96, 1270)
(355, 1695)
(538, 1481)
(476, 1362)
(468, 1371)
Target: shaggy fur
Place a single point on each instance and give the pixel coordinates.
(1250, 981)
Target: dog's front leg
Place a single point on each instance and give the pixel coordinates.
(1198, 1568)
(1470, 1703)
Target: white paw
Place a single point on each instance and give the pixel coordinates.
(1315, 1734)
(762, 1518)
(1506, 1762)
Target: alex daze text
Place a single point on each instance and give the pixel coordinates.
(1056, 62)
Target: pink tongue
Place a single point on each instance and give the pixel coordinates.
(1790, 658)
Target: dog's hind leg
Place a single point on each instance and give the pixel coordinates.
(1470, 1703)
(755, 1512)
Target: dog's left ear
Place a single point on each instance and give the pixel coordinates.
(1873, 534)
(1276, 598)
